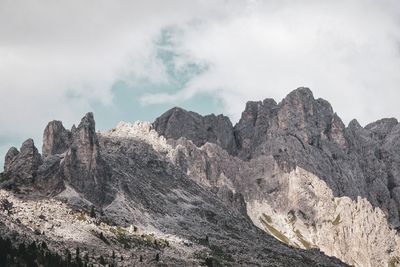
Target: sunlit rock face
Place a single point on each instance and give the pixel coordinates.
(131, 191)
(281, 145)
(287, 180)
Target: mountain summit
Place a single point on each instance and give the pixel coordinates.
(288, 185)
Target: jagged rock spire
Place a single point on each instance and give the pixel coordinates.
(56, 139)
(177, 122)
(23, 164)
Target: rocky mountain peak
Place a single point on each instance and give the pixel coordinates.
(83, 166)
(10, 157)
(56, 139)
(299, 114)
(87, 122)
(177, 123)
(382, 128)
(301, 96)
(291, 168)
(84, 141)
(25, 163)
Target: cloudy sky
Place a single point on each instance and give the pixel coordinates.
(132, 60)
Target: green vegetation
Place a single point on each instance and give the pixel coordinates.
(124, 240)
(218, 257)
(304, 242)
(4, 177)
(102, 261)
(337, 221)
(33, 255)
(128, 240)
(102, 237)
(275, 232)
(6, 205)
(150, 239)
(204, 241)
(214, 256)
(267, 218)
(118, 230)
(394, 261)
(291, 217)
(92, 212)
(81, 217)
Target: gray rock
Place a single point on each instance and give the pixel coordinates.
(23, 165)
(136, 184)
(276, 140)
(83, 167)
(10, 157)
(177, 122)
(56, 139)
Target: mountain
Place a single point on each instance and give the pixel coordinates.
(288, 185)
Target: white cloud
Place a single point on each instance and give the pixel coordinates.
(345, 51)
(57, 56)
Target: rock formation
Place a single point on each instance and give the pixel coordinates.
(56, 139)
(177, 122)
(275, 140)
(288, 176)
(24, 164)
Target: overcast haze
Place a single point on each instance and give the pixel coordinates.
(131, 60)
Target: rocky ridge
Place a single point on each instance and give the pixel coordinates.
(293, 169)
(129, 177)
(280, 146)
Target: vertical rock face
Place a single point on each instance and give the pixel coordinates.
(303, 131)
(10, 157)
(85, 145)
(83, 166)
(56, 139)
(251, 131)
(356, 164)
(178, 122)
(298, 116)
(292, 167)
(70, 158)
(24, 164)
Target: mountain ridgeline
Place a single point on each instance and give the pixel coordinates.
(288, 185)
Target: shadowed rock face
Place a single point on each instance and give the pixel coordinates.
(69, 158)
(133, 176)
(177, 122)
(306, 132)
(291, 168)
(298, 116)
(23, 165)
(83, 167)
(56, 139)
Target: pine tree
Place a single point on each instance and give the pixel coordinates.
(69, 256)
(157, 257)
(92, 212)
(102, 261)
(86, 257)
(77, 254)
